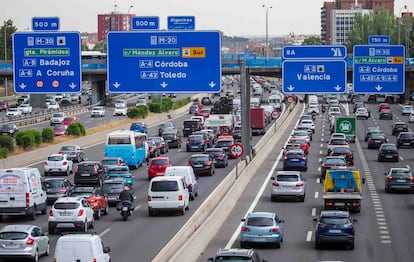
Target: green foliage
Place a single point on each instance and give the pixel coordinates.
(81, 128)
(48, 135)
(140, 111)
(155, 107)
(3, 152)
(27, 140)
(38, 139)
(7, 29)
(22, 133)
(180, 103)
(166, 104)
(73, 130)
(144, 110)
(7, 142)
(312, 40)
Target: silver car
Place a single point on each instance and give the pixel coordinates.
(23, 241)
(288, 184)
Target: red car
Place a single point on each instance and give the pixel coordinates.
(96, 199)
(204, 113)
(4, 106)
(157, 166)
(199, 104)
(303, 144)
(383, 106)
(69, 120)
(59, 130)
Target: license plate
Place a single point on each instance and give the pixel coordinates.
(406, 144)
(388, 156)
(124, 208)
(287, 187)
(168, 141)
(259, 239)
(160, 174)
(377, 141)
(400, 180)
(335, 231)
(65, 214)
(198, 165)
(12, 245)
(85, 175)
(294, 160)
(194, 147)
(339, 204)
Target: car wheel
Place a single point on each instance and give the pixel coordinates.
(182, 211)
(106, 210)
(150, 213)
(98, 214)
(34, 214)
(397, 159)
(44, 210)
(302, 198)
(36, 256)
(317, 245)
(47, 251)
(273, 198)
(243, 244)
(277, 245)
(85, 226)
(351, 245)
(51, 231)
(92, 224)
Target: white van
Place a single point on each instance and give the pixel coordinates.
(21, 192)
(81, 247)
(188, 173)
(313, 99)
(168, 193)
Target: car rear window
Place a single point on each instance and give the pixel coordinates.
(406, 135)
(110, 162)
(55, 158)
(159, 162)
(81, 194)
(162, 186)
(335, 162)
(195, 138)
(53, 184)
(198, 159)
(67, 148)
(13, 235)
(287, 178)
(401, 174)
(66, 205)
(112, 186)
(389, 147)
(86, 168)
(223, 143)
(260, 221)
(335, 220)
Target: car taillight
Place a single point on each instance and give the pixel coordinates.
(128, 176)
(303, 158)
(73, 152)
(221, 157)
(188, 142)
(286, 158)
(62, 190)
(188, 164)
(76, 169)
(45, 163)
(60, 152)
(80, 213)
(275, 230)
(275, 184)
(328, 203)
(190, 187)
(65, 163)
(245, 229)
(28, 200)
(148, 198)
(389, 178)
(30, 241)
(412, 178)
(355, 203)
(383, 141)
(51, 213)
(371, 140)
(180, 198)
(299, 184)
(208, 163)
(107, 177)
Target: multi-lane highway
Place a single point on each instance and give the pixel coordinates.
(383, 230)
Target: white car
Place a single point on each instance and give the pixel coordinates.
(362, 112)
(411, 117)
(58, 163)
(406, 109)
(313, 108)
(53, 105)
(120, 110)
(25, 108)
(120, 102)
(141, 101)
(57, 118)
(98, 111)
(70, 213)
(309, 123)
(13, 112)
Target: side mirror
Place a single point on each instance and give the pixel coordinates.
(363, 181)
(210, 259)
(354, 220)
(107, 250)
(385, 174)
(272, 178)
(243, 219)
(315, 219)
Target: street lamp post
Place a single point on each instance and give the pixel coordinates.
(399, 23)
(5, 56)
(267, 8)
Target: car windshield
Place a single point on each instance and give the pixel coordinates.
(66, 205)
(161, 186)
(53, 184)
(287, 178)
(195, 138)
(55, 158)
(159, 162)
(335, 162)
(338, 142)
(13, 235)
(223, 143)
(260, 221)
(335, 220)
(82, 194)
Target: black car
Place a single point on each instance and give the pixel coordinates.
(225, 144)
(206, 100)
(385, 114)
(399, 179)
(89, 173)
(344, 151)
(202, 164)
(237, 133)
(153, 149)
(405, 139)
(164, 127)
(398, 127)
(112, 188)
(160, 142)
(388, 152)
(193, 109)
(172, 138)
(376, 140)
(219, 156)
(55, 188)
(334, 227)
(370, 130)
(8, 129)
(190, 126)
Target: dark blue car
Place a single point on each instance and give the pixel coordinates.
(139, 127)
(295, 160)
(334, 227)
(196, 142)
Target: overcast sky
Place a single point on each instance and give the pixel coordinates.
(233, 17)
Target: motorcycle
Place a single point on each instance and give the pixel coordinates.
(323, 109)
(125, 208)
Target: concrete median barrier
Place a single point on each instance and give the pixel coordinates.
(190, 241)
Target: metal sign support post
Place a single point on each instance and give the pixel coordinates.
(245, 105)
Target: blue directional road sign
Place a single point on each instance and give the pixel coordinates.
(48, 62)
(181, 22)
(164, 61)
(379, 39)
(379, 69)
(313, 76)
(334, 52)
(145, 23)
(45, 24)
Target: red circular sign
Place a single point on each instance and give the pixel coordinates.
(275, 114)
(290, 99)
(236, 150)
(55, 83)
(39, 84)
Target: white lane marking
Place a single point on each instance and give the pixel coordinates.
(316, 194)
(105, 231)
(259, 194)
(318, 180)
(309, 236)
(313, 212)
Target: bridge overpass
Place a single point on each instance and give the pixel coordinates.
(94, 70)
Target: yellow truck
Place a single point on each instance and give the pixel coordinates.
(342, 190)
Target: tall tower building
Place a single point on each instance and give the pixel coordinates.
(113, 22)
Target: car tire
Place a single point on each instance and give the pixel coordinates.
(92, 224)
(351, 245)
(47, 251)
(150, 212)
(97, 215)
(85, 226)
(44, 210)
(51, 231)
(317, 245)
(36, 256)
(34, 214)
(243, 244)
(273, 198)
(302, 198)
(106, 210)
(277, 245)
(182, 211)
(397, 159)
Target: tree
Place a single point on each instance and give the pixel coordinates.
(312, 40)
(7, 29)
(100, 46)
(380, 23)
